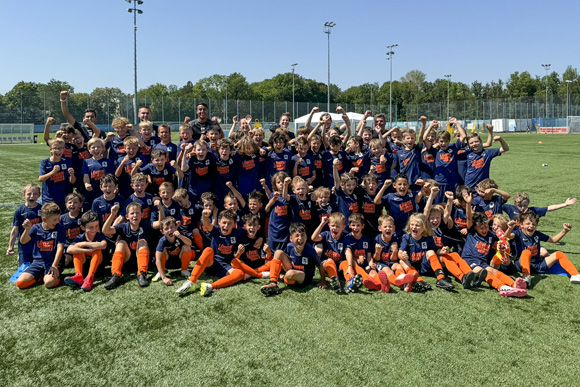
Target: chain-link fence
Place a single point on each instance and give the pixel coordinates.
(35, 107)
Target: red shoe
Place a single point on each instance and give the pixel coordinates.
(371, 284)
(88, 284)
(385, 284)
(508, 291)
(520, 283)
(406, 278)
(75, 280)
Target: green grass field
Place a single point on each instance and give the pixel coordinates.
(134, 336)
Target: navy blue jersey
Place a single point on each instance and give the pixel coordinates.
(400, 207)
(103, 206)
(72, 227)
(514, 213)
(523, 242)
(325, 212)
(249, 174)
(167, 174)
(145, 151)
(116, 148)
(327, 165)
(446, 166)
(360, 247)
(280, 218)
(252, 255)
(360, 160)
(347, 204)
(174, 210)
(202, 173)
(409, 161)
(225, 246)
(479, 247)
(96, 169)
(57, 186)
(306, 261)
(305, 168)
(172, 248)
(144, 232)
(383, 171)
(478, 165)
(333, 248)
(99, 237)
(490, 207)
(189, 217)
(124, 181)
(427, 166)
(227, 170)
(303, 212)
(170, 148)
(317, 159)
(371, 212)
(46, 241)
(417, 249)
(20, 215)
(277, 162)
(146, 203)
(388, 247)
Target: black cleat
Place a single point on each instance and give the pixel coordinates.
(113, 282)
(270, 289)
(142, 279)
(479, 278)
(421, 286)
(445, 284)
(467, 280)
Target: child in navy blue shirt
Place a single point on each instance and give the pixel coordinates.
(145, 200)
(479, 159)
(302, 163)
(72, 221)
(303, 209)
(149, 140)
(48, 239)
(489, 199)
(95, 168)
(279, 208)
(331, 247)
(522, 205)
(279, 157)
(56, 175)
(87, 247)
(299, 260)
(160, 170)
(126, 165)
(172, 245)
(401, 203)
(201, 168)
(29, 210)
(344, 188)
(164, 133)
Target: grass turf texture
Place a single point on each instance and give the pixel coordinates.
(134, 336)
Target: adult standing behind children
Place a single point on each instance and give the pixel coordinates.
(145, 114)
(88, 127)
(201, 125)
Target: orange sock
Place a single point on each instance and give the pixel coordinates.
(506, 279)
(363, 273)
(452, 267)
(200, 265)
(289, 281)
(344, 267)
(163, 261)
(398, 272)
(234, 277)
(142, 260)
(525, 259)
(330, 269)
(198, 240)
(238, 264)
(565, 263)
(496, 260)
(264, 267)
(25, 284)
(185, 259)
(493, 281)
(78, 263)
(275, 269)
(436, 266)
(96, 259)
(117, 262)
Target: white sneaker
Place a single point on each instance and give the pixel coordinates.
(187, 286)
(575, 279)
(156, 278)
(185, 273)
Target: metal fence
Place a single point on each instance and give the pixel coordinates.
(35, 107)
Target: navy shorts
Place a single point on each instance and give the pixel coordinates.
(474, 262)
(40, 267)
(535, 268)
(220, 268)
(382, 264)
(24, 257)
(277, 245)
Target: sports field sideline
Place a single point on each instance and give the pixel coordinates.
(151, 336)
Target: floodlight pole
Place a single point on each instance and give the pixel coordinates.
(448, 76)
(390, 54)
(135, 11)
(568, 81)
(547, 68)
(327, 30)
(293, 112)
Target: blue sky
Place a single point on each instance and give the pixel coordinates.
(90, 43)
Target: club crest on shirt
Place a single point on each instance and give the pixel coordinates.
(423, 245)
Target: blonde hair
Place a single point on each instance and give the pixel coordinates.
(56, 140)
(95, 139)
(145, 124)
(423, 221)
(138, 178)
(180, 193)
(120, 122)
(130, 140)
(336, 217)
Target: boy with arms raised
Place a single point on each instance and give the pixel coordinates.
(48, 240)
(333, 247)
(299, 260)
(56, 175)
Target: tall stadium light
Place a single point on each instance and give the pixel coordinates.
(390, 54)
(448, 76)
(293, 112)
(135, 11)
(568, 81)
(547, 68)
(327, 30)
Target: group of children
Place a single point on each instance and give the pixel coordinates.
(375, 209)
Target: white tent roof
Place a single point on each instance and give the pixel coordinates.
(335, 117)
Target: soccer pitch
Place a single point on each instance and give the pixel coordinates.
(151, 336)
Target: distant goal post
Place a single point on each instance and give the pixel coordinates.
(573, 124)
(16, 134)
